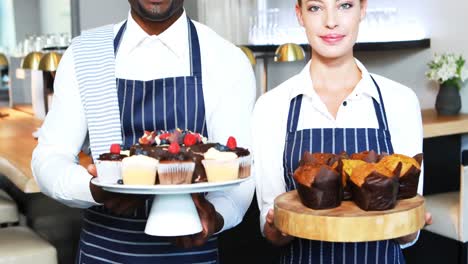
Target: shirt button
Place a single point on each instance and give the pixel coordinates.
(345, 103)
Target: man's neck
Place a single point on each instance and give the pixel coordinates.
(156, 28)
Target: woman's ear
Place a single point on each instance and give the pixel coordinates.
(299, 14)
(363, 9)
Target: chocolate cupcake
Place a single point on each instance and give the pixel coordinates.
(409, 175)
(374, 187)
(109, 165)
(319, 186)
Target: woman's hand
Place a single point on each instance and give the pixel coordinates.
(411, 237)
(117, 203)
(211, 222)
(273, 234)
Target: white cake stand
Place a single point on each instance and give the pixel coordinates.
(173, 212)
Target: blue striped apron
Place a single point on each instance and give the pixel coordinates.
(148, 105)
(336, 140)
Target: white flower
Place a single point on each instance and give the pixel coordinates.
(446, 67)
(464, 75)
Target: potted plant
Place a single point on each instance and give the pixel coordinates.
(448, 70)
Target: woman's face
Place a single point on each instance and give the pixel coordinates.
(332, 26)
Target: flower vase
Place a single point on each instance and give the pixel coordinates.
(448, 101)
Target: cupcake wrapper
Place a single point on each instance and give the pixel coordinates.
(221, 170)
(175, 173)
(244, 167)
(109, 171)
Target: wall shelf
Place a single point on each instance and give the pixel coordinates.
(363, 46)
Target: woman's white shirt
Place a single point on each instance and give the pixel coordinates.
(271, 114)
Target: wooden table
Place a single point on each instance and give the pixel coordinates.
(436, 126)
(16, 147)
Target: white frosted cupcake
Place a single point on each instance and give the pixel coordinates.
(109, 165)
(220, 166)
(244, 157)
(139, 170)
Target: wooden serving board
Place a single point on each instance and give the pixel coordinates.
(348, 223)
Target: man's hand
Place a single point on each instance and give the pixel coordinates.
(273, 234)
(119, 204)
(411, 237)
(211, 222)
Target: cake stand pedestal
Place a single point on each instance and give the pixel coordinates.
(173, 212)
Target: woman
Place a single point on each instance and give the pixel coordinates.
(320, 110)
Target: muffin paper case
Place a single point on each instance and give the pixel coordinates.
(139, 170)
(175, 172)
(109, 171)
(244, 166)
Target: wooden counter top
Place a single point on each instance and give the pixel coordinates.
(435, 125)
(16, 147)
(17, 143)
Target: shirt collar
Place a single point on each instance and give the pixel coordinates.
(364, 87)
(174, 38)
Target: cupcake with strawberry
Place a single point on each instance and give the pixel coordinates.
(109, 165)
(176, 166)
(243, 156)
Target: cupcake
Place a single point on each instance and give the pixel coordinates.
(374, 187)
(243, 156)
(220, 166)
(409, 174)
(139, 170)
(109, 165)
(176, 167)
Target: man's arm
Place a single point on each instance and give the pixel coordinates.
(231, 117)
(55, 159)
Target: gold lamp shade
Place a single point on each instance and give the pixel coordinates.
(3, 60)
(50, 61)
(248, 52)
(31, 61)
(289, 52)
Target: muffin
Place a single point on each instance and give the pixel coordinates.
(374, 187)
(318, 158)
(109, 165)
(367, 156)
(345, 171)
(318, 186)
(409, 174)
(139, 170)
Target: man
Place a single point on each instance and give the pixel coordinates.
(156, 55)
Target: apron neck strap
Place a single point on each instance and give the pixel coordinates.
(380, 108)
(295, 110)
(194, 47)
